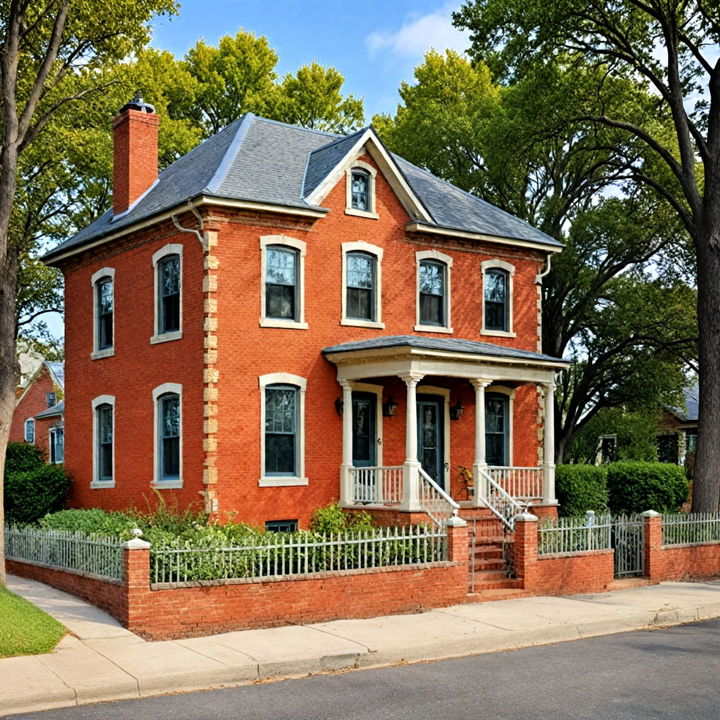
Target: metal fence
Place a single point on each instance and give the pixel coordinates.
(688, 528)
(300, 554)
(571, 535)
(66, 550)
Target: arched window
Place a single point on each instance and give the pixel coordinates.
(169, 437)
(433, 289)
(104, 414)
(103, 283)
(29, 430)
(167, 263)
(360, 199)
(360, 190)
(281, 283)
(360, 274)
(497, 297)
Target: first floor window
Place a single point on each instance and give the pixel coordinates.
(169, 436)
(281, 281)
(30, 430)
(105, 432)
(360, 286)
(169, 294)
(56, 445)
(104, 320)
(496, 300)
(281, 424)
(432, 293)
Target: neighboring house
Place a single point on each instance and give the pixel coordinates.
(678, 430)
(285, 317)
(39, 412)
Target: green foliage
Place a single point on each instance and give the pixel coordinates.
(634, 487)
(22, 457)
(333, 519)
(93, 522)
(30, 494)
(581, 488)
(25, 629)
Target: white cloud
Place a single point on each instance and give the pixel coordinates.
(418, 34)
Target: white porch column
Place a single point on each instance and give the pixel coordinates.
(411, 495)
(549, 446)
(347, 491)
(479, 464)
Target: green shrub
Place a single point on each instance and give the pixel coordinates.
(33, 493)
(94, 522)
(638, 486)
(581, 488)
(333, 519)
(22, 457)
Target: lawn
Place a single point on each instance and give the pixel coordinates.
(24, 629)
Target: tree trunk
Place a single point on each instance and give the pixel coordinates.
(706, 486)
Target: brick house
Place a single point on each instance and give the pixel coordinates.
(39, 413)
(678, 430)
(286, 317)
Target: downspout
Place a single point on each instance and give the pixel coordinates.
(539, 278)
(200, 234)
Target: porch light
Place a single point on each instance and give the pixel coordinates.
(456, 411)
(389, 408)
(339, 406)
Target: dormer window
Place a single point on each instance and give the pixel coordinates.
(360, 190)
(360, 198)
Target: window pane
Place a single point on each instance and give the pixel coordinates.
(360, 271)
(171, 416)
(105, 314)
(360, 191)
(280, 410)
(169, 290)
(30, 431)
(57, 445)
(106, 469)
(432, 278)
(171, 457)
(105, 424)
(359, 304)
(431, 310)
(496, 300)
(105, 296)
(170, 436)
(280, 454)
(280, 301)
(170, 276)
(280, 266)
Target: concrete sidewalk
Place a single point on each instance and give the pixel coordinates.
(100, 660)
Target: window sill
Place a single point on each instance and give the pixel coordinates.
(285, 324)
(498, 333)
(166, 484)
(281, 481)
(166, 337)
(433, 328)
(100, 354)
(362, 213)
(99, 484)
(352, 322)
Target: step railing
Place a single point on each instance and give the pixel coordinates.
(434, 501)
(519, 482)
(499, 501)
(377, 485)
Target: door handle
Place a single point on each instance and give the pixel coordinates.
(379, 441)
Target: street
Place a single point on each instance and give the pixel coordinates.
(669, 673)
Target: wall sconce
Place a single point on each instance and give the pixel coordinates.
(456, 411)
(389, 408)
(339, 406)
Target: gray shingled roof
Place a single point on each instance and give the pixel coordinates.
(58, 371)
(58, 409)
(690, 412)
(255, 159)
(447, 344)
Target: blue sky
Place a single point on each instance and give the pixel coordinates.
(374, 44)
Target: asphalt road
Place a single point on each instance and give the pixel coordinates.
(673, 673)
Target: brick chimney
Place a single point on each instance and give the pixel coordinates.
(135, 160)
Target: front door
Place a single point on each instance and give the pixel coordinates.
(431, 453)
(496, 429)
(364, 407)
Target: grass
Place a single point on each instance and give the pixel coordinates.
(25, 629)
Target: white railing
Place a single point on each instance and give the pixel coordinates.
(574, 534)
(66, 550)
(688, 528)
(525, 483)
(434, 501)
(287, 554)
(503, 505)
(377, 485)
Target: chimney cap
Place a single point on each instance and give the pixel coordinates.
(137, 104)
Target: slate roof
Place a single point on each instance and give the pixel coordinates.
(57, 369)
(58, 409)
(690, 412)
(447, 344)
(259, 160)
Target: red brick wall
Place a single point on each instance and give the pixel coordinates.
(32, 402)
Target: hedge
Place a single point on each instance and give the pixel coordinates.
(581, 488)
(31, 494)
(634, 487)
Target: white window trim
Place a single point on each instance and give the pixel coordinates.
(171, 249)
(106, 272)
(448, 261)
(25, 432)
(158, 483)
(445, 394)
(301, 247)
(510, 270)
(51, 443)
(300, 383)
(377, 253)
(102, 400)
(349, 209)
(510, 392)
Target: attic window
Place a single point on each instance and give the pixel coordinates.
(361, 190)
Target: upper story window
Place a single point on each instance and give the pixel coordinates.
(360, 198)
(51, 399)
(497, 298)
(282, 282)
(167, 263)
(168, 435)
(29, 430)
(361, 300)
(104, 441)
(433, 303)
(103, 283)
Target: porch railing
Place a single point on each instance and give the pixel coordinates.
(525, 483)
(377, 485)
(434, 501)
(503, 505)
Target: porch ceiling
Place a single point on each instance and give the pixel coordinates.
(449, 357)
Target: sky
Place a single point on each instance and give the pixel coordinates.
(375, 44)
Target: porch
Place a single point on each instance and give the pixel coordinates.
(440, 380)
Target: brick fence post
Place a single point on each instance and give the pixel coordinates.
(526, 548)
(136, 564)
(653, 545)
(457, 537)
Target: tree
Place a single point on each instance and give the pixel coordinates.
(43, 48)
(668, 47)
(606, 299)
